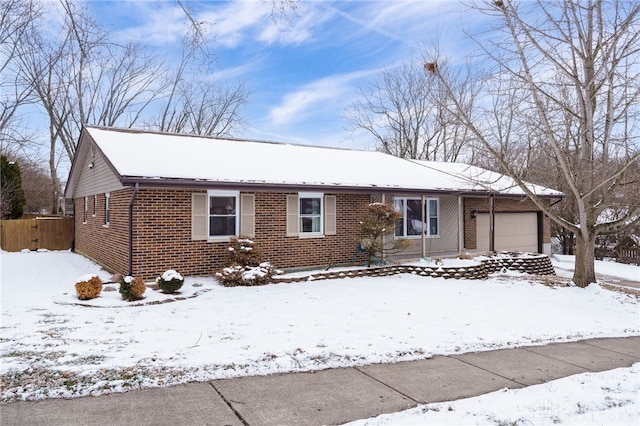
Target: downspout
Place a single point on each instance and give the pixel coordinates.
(492, 224)
(384, 201)
(133, 197)
(424, 227)
(460, 225)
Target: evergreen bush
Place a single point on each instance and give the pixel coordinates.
(244, 265)
(88, 287)
(238, 275)
(170, 281)
(243, 251)
(132, 288)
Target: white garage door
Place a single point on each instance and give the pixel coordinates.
(514, 232)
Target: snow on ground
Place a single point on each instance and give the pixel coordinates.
(53, 346)
(607, 398)
(603, 267)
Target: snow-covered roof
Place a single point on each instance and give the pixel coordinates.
(481, 179)
(151, 156)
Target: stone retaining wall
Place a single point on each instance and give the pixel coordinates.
(536, 265)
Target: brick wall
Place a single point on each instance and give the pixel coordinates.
(106, 244)
(162, 235)
(502, 205)
(162, 232)
(291, 252)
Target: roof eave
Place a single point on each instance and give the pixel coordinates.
(181, 183)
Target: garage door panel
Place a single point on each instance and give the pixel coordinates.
(513, 232)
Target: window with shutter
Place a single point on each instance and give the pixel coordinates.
(223, 214)
(311, 214)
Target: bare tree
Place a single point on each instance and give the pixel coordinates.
(195, 102)
(404, 114)
(80, 76)
(15, 16)
(566, 79)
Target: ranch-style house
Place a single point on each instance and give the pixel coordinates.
(147, 201)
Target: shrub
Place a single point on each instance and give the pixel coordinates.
(132, 288)
(243, 251)
(237, 275)
(88, 287)
(170, 281)
(245, 266)
(380, 222)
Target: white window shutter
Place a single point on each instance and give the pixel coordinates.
(330, 215)
(248, 215)
(293, 222)
(198, 216)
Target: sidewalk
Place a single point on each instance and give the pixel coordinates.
(332, 396)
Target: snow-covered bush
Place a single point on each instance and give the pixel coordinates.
(170, 281)
(238, 275)
(132, 288)
(88, 287)
(243, 251)
(244, 265)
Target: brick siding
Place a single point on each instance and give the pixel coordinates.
(107, 245)
(162, 234)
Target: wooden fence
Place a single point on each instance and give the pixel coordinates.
(628, 255)
(52, 233)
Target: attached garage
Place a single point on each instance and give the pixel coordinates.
(514, 231)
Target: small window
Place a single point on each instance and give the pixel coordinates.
(107, 209)
(411, 223)
(310, 213)
(95, 205)
(223, 213)
(86, 210)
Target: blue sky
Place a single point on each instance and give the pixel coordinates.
(301, 73)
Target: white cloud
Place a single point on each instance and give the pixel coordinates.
(317, 94)
(239, 21)
(233, 23)
(298, 29)
(161, 23)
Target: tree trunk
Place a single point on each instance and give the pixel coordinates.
(55, 194)
(584, 273)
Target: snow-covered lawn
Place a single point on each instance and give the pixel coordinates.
(52, 346)
(607, 398)
(607, 267)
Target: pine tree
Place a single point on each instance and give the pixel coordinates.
(12, 201)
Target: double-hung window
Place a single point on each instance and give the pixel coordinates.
(411, 223)
(310, 213)
(223, 213)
